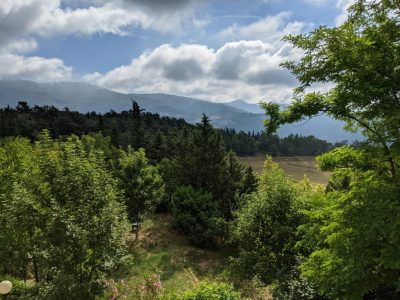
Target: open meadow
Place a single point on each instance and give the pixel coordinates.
(296, 167)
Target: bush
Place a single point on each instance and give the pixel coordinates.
(292, 286)
(209, 291)
(195, 215)
(265, 229)
(20, 289)
(62, 217)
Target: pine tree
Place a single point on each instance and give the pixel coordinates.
(137, 126)
(209, 154)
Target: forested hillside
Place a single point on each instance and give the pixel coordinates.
(132, 205)
(159, 134)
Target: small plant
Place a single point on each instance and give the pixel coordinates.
(209, 291)
(151, 287)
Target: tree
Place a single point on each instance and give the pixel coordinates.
(250, 180)
(140, 182)
(195, 215)
(361, 59)
(353, 228)
(208, 153)
(137, 127)
(265, 228)
(233, 185)
(200, 158)
(61, 215)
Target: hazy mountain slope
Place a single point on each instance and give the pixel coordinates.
(84, 97)
(322, 127)
(243, 105)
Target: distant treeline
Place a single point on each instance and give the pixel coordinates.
(160, 133)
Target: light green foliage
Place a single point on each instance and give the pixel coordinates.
(352, 231)
(62, 216)
(354, 234)
(266, 227)
(361, 58)
(195, 214)
(209, 291)
(141, 183)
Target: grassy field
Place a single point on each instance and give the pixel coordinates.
(296, 167)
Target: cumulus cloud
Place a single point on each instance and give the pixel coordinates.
(245, 69)
(49, 17)
(36, 68)
(21, 21)
(162, 5)
(108, 18)
(268, 29)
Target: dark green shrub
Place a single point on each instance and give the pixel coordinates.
(195, 215)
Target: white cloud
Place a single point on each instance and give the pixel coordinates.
(35, 68)
(246, 69)
(19, 46)
(21, 21)
(269, 29)
(107, 18)
(319, 2)
(343, 5)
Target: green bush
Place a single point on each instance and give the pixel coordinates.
(61, 215)
(292, 286)
(195, 215)
(209, 291)
(265, 229)
(20, 289)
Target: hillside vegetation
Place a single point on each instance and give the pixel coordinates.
(126, 206)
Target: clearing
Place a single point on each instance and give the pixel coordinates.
(160, 250)
(296, 167)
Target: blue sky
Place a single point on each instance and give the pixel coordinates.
(217, 50)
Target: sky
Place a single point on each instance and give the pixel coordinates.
(217, 50)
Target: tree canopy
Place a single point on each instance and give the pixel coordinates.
(352, 229)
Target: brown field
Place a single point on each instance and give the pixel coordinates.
(296, 167)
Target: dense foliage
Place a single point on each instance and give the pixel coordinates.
(265, 228)
(140, 182)
(352, 229)
(209, 291)
(140, 129)
(61, 215)
(196, 215)
(213, 181)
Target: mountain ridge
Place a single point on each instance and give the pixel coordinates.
(237, 114)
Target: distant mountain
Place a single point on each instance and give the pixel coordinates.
(243, 105)
(84, 97)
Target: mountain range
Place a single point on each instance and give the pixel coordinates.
(237, 114)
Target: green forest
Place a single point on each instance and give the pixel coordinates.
(158, 134)
(133, 205)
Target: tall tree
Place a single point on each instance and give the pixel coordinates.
(353, 229)
(138, 140)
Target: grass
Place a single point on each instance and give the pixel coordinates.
(296, 167)
(161, 250)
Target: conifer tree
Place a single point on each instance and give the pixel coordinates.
(137, 126)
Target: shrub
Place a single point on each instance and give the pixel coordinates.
(209, 291)
(20, 289)
(265, 229)
(195, 215)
